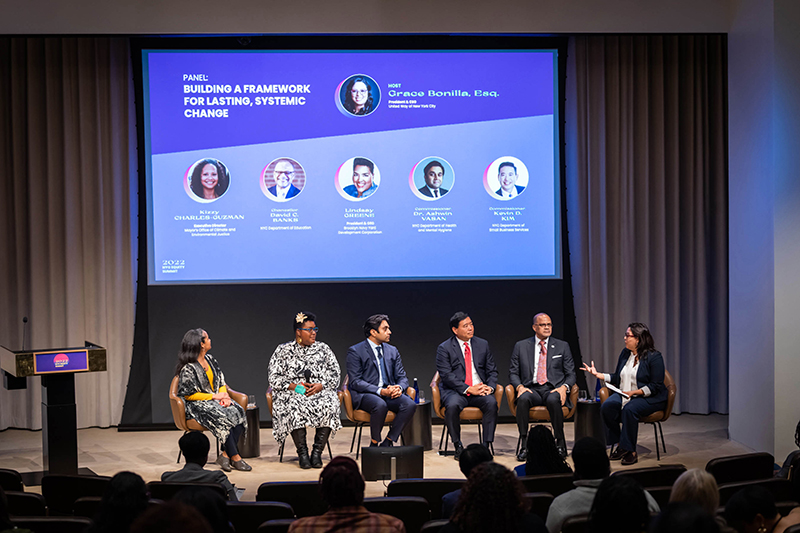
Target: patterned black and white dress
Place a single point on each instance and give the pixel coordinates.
(291, 410)
(219, 420)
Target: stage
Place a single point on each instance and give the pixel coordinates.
(691, 440)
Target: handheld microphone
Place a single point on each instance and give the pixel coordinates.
(307, 374)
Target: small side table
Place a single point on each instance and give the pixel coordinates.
(418, 430)
(250, 444)
(589, 422)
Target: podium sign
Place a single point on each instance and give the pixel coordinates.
(53, 362)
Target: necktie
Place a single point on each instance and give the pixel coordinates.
(468, 361)
(382, 367)
(541, 371)
(436, 193)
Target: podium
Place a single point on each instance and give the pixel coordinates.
(59, 420)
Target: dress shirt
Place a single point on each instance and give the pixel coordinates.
(434, 192)
(281, 193)
(508, 194)
(378, 362)
(627, 378)
(476, 379)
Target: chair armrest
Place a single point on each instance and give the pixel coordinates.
(347, 402)
(511, 396)
(498, 395)
(436, 396)
(573, 398)
(603, 394)
(238, 397)
(411, 393)
(269, 400)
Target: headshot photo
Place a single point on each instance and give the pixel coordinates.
(357, 179)
(431, 178)
(283, 179)
(358, 95)
(206, 180)
(505, 178)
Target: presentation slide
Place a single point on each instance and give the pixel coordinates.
(272, 166)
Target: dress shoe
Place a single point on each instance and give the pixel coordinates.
(241, 465)
(459, 448)
(224, 462)
(629, 459)
(299, 438)
(617, 453)
(320, 439)
(522, 456)
(387, 443)
(562, 451)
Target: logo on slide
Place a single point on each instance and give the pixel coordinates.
(61, 360)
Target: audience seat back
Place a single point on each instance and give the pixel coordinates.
(10, 480)
(555, 484)
(61, 491)
(247, 516)
(414, 511)
(303, 496)
(430, 489)
(745, 467)
(25, 504)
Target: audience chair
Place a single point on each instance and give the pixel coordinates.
(792, 529)
(60, 491)
(178, 405)
(25, 504)
(10, 480)
(275, 526)
(247, 516)
(283, 444)
(660, 494)
(468, 414)
(360, 417)
(555, 484)
(745, 467)
(86, 506)
(576, 524)
(414, 511)
(781, 489)
(52, 524)
(164, 490)
(540, 412)
(433, 526)
(303, 496)
(430, 489)
(654, 476)
(540, 503)
(659, 416)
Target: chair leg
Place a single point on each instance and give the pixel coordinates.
(661, 429)
(441, 440)
(358, 449)
(658, 451)
(280, 451)
(353, 442)
(519, 445)
(179, 456)
(480, 433)
(329, 449)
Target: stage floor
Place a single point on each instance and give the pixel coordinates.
(691, 440)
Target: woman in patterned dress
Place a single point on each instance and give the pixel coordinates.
(304, 376)
(201, 383)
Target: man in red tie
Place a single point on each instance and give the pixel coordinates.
(469, 378)
(543, 372)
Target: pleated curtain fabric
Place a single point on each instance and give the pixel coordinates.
(67, 213)
(647, 208)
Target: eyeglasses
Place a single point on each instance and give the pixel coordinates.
(287, 173)
(544, 325)
(309, 329)
(358, 91)
(630, 336)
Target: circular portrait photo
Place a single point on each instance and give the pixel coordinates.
(283, 179)
(358, 96)
(431, 178)
(506, 178)
(206, 180)
(357, 179)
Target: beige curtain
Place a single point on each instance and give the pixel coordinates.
(647, 203)
(67, 213)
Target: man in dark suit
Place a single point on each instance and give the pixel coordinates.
(283, 174)
(195, 446)
(469, 377)
(543, 372)
(378, 380)
(434, 174)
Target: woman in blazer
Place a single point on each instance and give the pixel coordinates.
(640, 374)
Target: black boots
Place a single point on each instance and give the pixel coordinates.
(320, 439)
(299, 438)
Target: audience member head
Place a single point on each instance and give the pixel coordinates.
(195, 447)
(123, 501)
(590, 459)
(543, 455)
(619, 506)
(752, 509)
(685, 517)
(208, 503)
(492, 500)
(341, 483)
(472, 456)
(171, 517)
(697, 486)
(5, 522)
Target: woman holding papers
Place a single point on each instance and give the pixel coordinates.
(639, 378)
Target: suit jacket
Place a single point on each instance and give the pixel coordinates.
(362, 367)
(194, 473)
(427, 192)
(560, 365)
(450, 364)
(520, 188)
(650, 374)
(293, 191)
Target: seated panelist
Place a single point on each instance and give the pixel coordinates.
(469, 378)
(378, 380)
